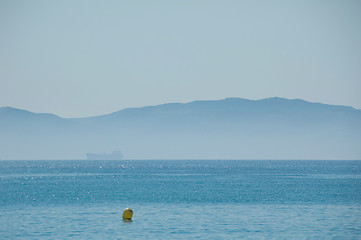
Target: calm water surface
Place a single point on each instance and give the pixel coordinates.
(180, 199)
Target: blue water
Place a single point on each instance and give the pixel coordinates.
(180, 199)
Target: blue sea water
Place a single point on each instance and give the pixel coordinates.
(180, 199)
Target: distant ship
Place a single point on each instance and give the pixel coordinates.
(115, 155)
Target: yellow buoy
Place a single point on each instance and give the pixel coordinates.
(127, 214)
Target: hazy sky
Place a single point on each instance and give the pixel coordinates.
(83, 58)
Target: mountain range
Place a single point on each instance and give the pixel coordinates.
(232, 128)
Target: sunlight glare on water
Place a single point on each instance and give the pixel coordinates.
(180, 199)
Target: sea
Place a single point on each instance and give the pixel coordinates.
(180, 199)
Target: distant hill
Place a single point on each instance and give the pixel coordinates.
(233, 128)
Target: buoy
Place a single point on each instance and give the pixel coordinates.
(127, 214)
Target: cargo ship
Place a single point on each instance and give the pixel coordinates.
(115, 155)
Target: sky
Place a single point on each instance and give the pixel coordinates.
(84, 58)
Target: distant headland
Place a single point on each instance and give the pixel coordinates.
(232, 128)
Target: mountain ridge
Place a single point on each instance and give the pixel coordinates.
(231, 128)
(272, 100)
(242, 100)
